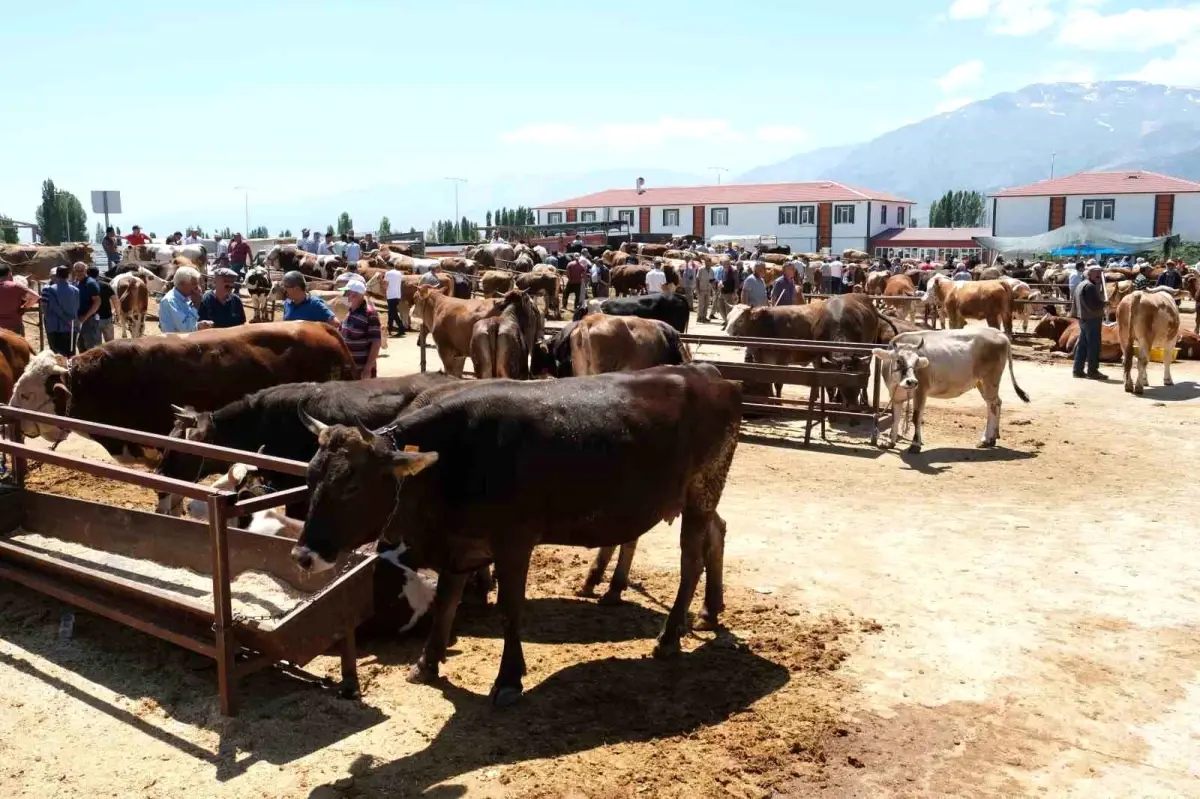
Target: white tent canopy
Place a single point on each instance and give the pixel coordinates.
(1081, 233)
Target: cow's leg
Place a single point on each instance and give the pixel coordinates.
(714, 575)
(512, 568)
(918, 403)
(1168, 356)
(595, 574)
(445, 603)
(693, 534)
(894, 433)
(620, 578)
(991, 430)
(1143, 361)
(1127, 344)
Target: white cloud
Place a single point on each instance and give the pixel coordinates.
(632, 136)
(953, 104)
(964, 74)
(969, 9)
(1138, 29)
(1021, 17)
(1181, 69)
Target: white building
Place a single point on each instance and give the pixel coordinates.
(806, 216)
(1132, 203)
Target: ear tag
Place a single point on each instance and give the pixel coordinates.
(411, 448)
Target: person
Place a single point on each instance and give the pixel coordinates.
(394, 279)
(222, 248)
(353, 252)
(1075, 279)
(239, 254)
(177, 310)
(89, 305)
(137, 236)
(656, 278)
(221, 305)
(432, 277)
(1170, 277)
(1088, 307)
(729, 282)
(688, 279)
(299, 306)
(754, 289)
(14, 299)
(575, 270)
(111, 253)
(360, 328)
(825, 269)
(193, 237)
(305, 241)
(552, 259)
(783, 290)
(369, 244)
(705, 279)
(961, 272)
(338, 247)
(104, 315)
(325, 246)
(1142, 281)
(60, 312)
(835, 276)
(594, 276)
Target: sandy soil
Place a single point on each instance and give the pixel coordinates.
(990, 623)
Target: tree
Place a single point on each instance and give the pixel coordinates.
(412, 230)
(488, 223)
(49, 217)
(344, 224)
(259, 232)
(286, 233)
(957, 209)
(226, 233)
(385, 227)
(431, 235)
(98, 236)
(8, 234)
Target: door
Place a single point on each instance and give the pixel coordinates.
(1164, 214)
(572, 215)
(1058, 212)
(643, 220)
(698, 220)
(824, 225)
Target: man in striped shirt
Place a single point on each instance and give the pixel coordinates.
(361, 329)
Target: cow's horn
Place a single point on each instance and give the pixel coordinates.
(363, 429)
(184, 412)
(314, 426)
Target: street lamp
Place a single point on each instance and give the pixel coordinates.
(718, 170)
(456, 181)
(247, 190)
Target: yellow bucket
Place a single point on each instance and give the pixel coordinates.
(1156, 354)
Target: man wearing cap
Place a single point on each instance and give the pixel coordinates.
(60, 312)
(300, 307)
(656, 278)
(104, 314)
(361, 328)
(394, 279)
(1171, 277)
(1088, 306)
(1076, 277)
(137, 236)
(221, 305)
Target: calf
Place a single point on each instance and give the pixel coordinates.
(500, 344)
(451, 322)
(946, 364)
(1147, 320)
(132, 300)
(258, 285)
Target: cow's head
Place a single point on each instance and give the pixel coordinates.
(354, 484)
(901, 362)
(273, 255)
(737, 323)
(190, 425)
(44, 388)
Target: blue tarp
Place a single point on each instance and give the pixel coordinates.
(1087, 249)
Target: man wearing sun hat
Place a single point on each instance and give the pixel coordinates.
(361, 329)
(1088, 306)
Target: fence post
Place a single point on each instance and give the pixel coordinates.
(222, 605)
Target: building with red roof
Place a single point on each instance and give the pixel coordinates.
(807, 216)
(1135, 203)
(935, 243)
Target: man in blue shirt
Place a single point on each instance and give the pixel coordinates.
(60, 312)
(221, 305)
(299, 307)
(89, 305)
(754, 288)
(176, 313)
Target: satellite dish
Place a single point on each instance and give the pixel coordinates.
(641, 182)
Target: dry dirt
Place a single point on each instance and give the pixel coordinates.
(1017, 621)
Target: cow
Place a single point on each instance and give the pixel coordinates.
(154, 283)
(982, 299)
(1021, 291)
(612, 258)
(443, 503)
(669, 308)
(464, 266)
(523, 263)
(543, 280)
(501, 343)
(15, 355)
(945, 364)
(132, 301)
(258, 286)
(38, 261)
(598, 343)
(533, 252)
(194, 255)
(900, 286)
(1116, 292)
(492, 255)
(493, 283)
(628, 279)
(388, 259)
(451, 322)
(268, 421)
(1147, 320)
(876, 282)
(1064, 332)
(290, 258)
(133, 383)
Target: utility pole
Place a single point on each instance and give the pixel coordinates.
(247, 190)
(1052, 157)
(718, 170)
(456, 181)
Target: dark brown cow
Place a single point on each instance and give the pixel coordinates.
(900, 286)
(543, 280)
(501, 343)
(15, 354)
(630, 279)
(134, 383)
(493, 283)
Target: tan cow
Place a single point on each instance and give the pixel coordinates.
(1064, 332)
(377, 287)
(500, 343)
(131, 299)
(396, 260)
(900, 286)
(494, 283)
(599, 343)
(779, 259)
(451, 322)
(543, 280)
(990, 300)
(1021, 291)
(1148, 320)
(876, 282)
(1116, 292)
(38, 261)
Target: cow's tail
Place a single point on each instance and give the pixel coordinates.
(678, 351)
(1013, 375)
(1127, 337)
(585, 350)
(884, 317)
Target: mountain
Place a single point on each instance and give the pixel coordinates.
(1011, 138)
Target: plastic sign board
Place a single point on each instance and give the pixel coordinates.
(106, 202)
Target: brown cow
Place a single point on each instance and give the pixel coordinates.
(1191, 284)
(1116, 292)
(15, 354)
(408, 292)
(493, 283)
(900, 286)
(500, 344)
(289, 258)
(778, 259)
(629, 279)
(543, 280)
(464, 266)
(395, 260)
(1148, 320)
(1064, 332)
(131, 301)
(601, 343)
(38, 261)
(522, 263)
(1021, 291)
(876, 282)
(983, 299)
(205, 370)
(451, 322)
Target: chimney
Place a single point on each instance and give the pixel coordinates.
(640, 185)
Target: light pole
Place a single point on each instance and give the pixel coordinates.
(456, 181)
(1052, 157)
(247, 190)
(718, 170)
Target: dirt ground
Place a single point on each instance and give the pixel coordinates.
(1016, 621)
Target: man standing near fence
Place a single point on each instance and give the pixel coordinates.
(89, 306)
(705, 278)
(574, 285)
(60, 312)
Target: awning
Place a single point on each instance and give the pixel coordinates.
(1078, 237)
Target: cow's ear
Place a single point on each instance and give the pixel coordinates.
(922, 362)
(60, 388)
(405, 464)
(882, 354)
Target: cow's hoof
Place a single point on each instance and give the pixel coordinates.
(1138, 389)
(886, 444)
(1129, 388)
(611, 598)
(588, 591)
(987, 443)
(421, 674)
(914, 449)
(1168, 382)
(666, 649)
(706, 623)
(505, 695)
(349, 690)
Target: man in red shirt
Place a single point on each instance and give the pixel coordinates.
(137, 236)
(239, 254)
(575, 273)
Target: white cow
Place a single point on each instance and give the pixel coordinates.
(163, 254)
(945, 364)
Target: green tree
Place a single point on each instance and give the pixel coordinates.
(431, 235)
(344, 224)
(49, 215)
(385, 227)
(74, 215)
(226, 233)
(957, 209)
(8, 232)
(98, 236)
(488, 223)
(286, 233)
(329, 229)
(412, 230)
(259, 232)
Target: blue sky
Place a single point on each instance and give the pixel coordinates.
(176, 105)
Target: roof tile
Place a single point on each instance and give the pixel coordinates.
(1126, 182)
(728, 194)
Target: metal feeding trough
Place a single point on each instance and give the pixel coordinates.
(326, 608)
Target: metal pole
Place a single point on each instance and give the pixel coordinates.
(1052, 157)
(105, 195)
(456, 181)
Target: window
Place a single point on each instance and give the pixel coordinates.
(789, 215)
(900, 216)
(670, 217)
(587, 216)
(719, 217)
(808, 214)
(843, 214)
(554, 218)
(1099, 209)
(625, 217)
(883, 214)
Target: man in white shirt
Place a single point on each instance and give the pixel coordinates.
(353, 252)
(395, 281)
(192, 237)
(325, 247)
(656, 278)
(835, 276)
